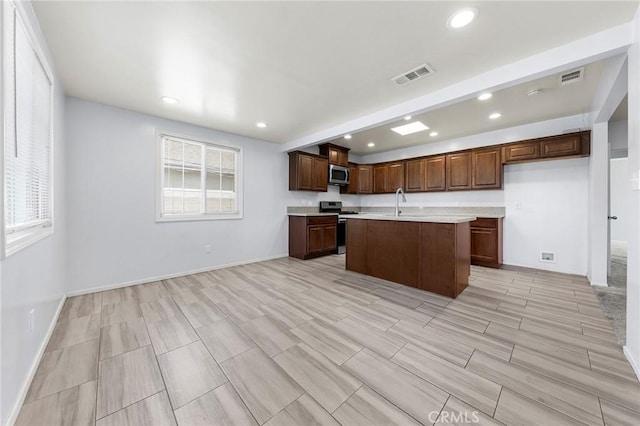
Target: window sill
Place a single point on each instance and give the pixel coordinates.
(199, 218)
(26, 241)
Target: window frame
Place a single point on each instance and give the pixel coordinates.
(160, 218)
(7, 11)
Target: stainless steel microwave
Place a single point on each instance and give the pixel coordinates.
(338, 175)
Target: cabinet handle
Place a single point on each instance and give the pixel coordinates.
(612, 217)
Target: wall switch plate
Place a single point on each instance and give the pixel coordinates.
(207, 249)
(518, 205)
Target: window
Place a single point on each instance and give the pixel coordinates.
(28, 214)
(199, 180)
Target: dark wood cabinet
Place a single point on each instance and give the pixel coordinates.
(365, 179)
(312, 236)
(458, 171)
(560, 147)
(435, 170)
(569, 145)
(486, 242)
(520, 152)
(388, 177)
(487, 168)
(354, 180)
(308, 172)
(430, 256)
(336, 154)
(415, 175)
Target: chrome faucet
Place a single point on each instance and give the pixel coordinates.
(404, 200)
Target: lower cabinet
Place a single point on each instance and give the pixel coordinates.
(486, 242)
(312, 236)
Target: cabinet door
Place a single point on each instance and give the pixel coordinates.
(320, 174)
(415, 175)
(330, 237)
(435, 174)
(315, 239)
(487, 168)
(354, 180)
(521, 152)
(305, 172)
(459, 171)
(380, 172)
(395, 176)
(560, 147)
(484, 246)
(365, 179)
(334, 155)
(343, 158)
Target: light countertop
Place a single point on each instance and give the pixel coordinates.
(413, 218)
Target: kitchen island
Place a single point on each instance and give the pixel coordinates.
(431, 253)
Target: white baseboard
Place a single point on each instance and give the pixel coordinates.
(22, 395)
(632, 361)
(166, 277)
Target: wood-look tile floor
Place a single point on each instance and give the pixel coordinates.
(287, 342)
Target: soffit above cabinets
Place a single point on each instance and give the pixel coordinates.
(298, 67)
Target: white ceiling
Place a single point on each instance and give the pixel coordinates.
(472, 116)
(300, 67)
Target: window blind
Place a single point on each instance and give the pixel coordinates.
(28, 142)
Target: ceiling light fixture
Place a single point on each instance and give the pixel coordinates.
(534, 92)
(462, 18)
(261, 125)
(407, 129)
(433, 134)
(495, 115)
(170, 100)
(485, 96)
(371, 144)
(347, 136)
(407, 117)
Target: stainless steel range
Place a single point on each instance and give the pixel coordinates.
(336, 207)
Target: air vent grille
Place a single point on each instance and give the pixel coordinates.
(572, 76)
(413, 75)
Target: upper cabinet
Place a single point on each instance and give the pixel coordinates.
(487, 168)
(354, 180)
(308, 172)
(576, 144)
(337, 155)
(425, 174)
(388, 177)
(365, 179)
(435, 169)
(458, 171)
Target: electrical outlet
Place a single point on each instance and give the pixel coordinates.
(547, 256)
(518, 205)
(31, 320)
(207, 249)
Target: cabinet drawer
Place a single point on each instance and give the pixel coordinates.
(484, 222)
(322, 220)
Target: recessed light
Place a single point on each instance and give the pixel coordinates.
(432, 134)
(495, 115)
(261, 125)
(347, 136)
(485, 96)
(371, 144)
(407, 117)
(534, 92)
(462, 17)
(170, 100)
(407, 129)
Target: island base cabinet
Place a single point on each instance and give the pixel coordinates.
(430, 256)
(445, 258)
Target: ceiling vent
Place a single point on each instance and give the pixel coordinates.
(413, 75)
(572, 76)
